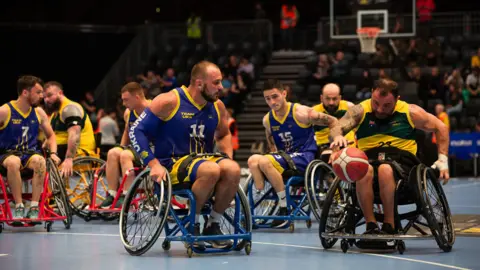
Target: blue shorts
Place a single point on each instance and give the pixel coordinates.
(301, 161)
(24, 159)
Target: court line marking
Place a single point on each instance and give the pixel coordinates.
(296, 246)
(3, 255)
(464, 206)
(476, 183)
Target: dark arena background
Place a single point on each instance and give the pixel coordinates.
(431, 48)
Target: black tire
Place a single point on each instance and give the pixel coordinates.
(78, 209)
(59, 193)
(271, 205)
(312, 181)
(160, 210)
(324, 218)
(443, 231)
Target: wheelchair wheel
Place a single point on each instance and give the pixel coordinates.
(267, 207)
(435, 207)
(80, 184)
(144, 211)
(318, 178)
(237, 218)
(59, 193)
(334, 212)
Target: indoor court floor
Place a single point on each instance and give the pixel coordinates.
(97, 245)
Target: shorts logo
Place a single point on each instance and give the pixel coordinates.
(144, 154)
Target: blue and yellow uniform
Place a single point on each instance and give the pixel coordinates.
(19, 133)
(190, 128)
(294, 138)
(322, 132)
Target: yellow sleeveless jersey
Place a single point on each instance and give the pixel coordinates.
(322, 132)
(396, 131)
(87, 137)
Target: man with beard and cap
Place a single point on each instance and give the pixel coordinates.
(385, 130)
(180, 124)
(291, 138)
(20, 123)
(71, 124)
(331, 103)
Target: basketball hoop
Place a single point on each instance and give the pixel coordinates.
(368, 38)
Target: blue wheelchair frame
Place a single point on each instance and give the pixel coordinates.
(183, 219)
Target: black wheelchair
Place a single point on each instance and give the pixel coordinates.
(431, 217)
(148, 204)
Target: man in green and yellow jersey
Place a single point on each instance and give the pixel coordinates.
(72, 126)
(331, 104)
(385, 131)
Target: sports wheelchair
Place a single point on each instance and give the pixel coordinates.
(52, 205)
(148, 204)
(430, 218)
(304, 194)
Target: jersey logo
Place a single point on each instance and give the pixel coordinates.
(16, 121)
(187, 115)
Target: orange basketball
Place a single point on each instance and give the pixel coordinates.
(350, 164)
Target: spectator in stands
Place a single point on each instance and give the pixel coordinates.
(339, 67)
(456, 79)
(423, 83)
(323, 69)
(443, 116)
(152, 82)
(476, 59)
(231, 67)
(194, 29)
(110, 131)
(89, 105)
(436, 90)
(229, 89)
(382, 74)
(232, 125)
(425, 9)
(289, 19)
(259, 14)
(473, 85)
(432, 52)
(169, 82)
(454, 100)
(365, 85)
(414, 53)
(381, 57)
(291, 96)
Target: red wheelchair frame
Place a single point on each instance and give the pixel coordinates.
(46, 213)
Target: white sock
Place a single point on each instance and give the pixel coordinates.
(214, 217)
(283, 199)
(19, 205)
(34, 204)
(197, 218)
(112, 193)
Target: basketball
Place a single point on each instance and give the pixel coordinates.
(350, 164)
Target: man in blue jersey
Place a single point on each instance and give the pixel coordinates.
(20, 121)
(289, 129)
(123, 157)
(185, 121)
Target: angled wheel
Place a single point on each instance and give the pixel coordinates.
(435, 207)
(334, 212)
(144, 212)
(263, 202)
(318, 178)
(59, 193)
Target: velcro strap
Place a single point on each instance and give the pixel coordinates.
(288, 159)
(182, 171)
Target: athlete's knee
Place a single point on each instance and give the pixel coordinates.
(264, 163)
(114, 153)
(12, 163)
(209, 170)
(230, 170)
(368, 178)
(253, 161)
(385, 174)
(126, 156)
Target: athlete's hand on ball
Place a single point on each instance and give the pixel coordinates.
(442, 165)
(158, 172)
(338, 142)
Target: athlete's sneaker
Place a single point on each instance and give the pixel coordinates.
(19, 212)
(278, 223)
(387, 229)
(107, 203)
(33, 213)
(214, 229)
(196, 232)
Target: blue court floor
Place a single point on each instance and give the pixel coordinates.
(97, 245)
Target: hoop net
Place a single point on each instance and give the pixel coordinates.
(368, 38)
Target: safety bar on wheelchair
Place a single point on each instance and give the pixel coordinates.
(376, 236)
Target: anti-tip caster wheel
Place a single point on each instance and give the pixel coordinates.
(189, 252)
(344, 245)
(48, 226)
(291, 228)
(166, 245)
(1, 227)
(401, 247)
(248, 248)
(309, 223)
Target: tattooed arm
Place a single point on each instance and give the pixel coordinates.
(271, 143)
(308, 116)
(348, 122)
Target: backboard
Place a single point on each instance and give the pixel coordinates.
(395, 18)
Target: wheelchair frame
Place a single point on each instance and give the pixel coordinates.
(53, 188)
(163, 190)
(352, 216)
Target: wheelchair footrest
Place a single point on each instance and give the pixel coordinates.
(378, 237)
(191, 238)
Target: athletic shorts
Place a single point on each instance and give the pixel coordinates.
(24, 158)
(188, 172)
(137, 162)
(301, 161)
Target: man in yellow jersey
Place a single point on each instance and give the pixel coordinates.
(123, 157)
(71, 124)
(331, 104)
(385, 130)
(289, 128)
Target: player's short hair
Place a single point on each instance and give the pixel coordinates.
(27, 82)
(133, 88)
(199, 70)
(273, 83)
(53, 83)
(386, 86)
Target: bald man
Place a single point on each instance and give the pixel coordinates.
(331, 103)
(180, 124)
